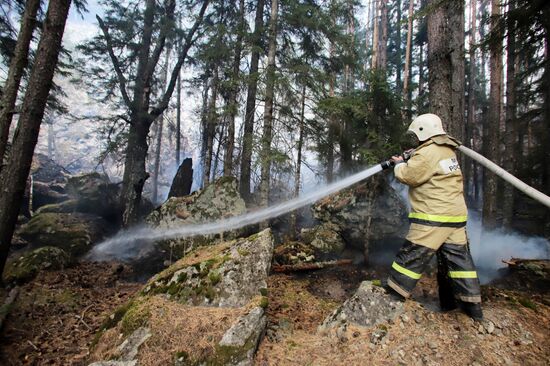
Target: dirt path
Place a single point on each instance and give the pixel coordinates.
(57, 315)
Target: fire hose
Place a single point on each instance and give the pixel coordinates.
(497, 170)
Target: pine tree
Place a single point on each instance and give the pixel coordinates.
(13, 177)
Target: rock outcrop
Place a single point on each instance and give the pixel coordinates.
(206, 309)
(218, 200)
(364, 214)
(93, 193)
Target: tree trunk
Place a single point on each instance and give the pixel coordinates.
(298, 171)
(491, 141)
(398, 51)
(348, 69)
(13, 179)
(383, 43)
(142, 115)
(248, 135)
(406, 100)
(331, 139)
(421, 77)
(51, 141)
(511, 142)
(375, 34)
(15, 73)
(135, 173)
(160, 121)
(471, 121)
(268, 107)
(211, 123)
(446, 64)
(178, 121)
(233, 93)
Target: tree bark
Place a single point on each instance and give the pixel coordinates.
(160, 122)
(233, 93)
(298, 171)
(268, 107)
(471, 121)
(383, 59)
(406, 100)
(511, 142)
(248, 135)
(446, 64)
(211, 123)
(14, 177)
(15, 73)
(491, 141)
(398, 51)
(178, 121)
(375, 35)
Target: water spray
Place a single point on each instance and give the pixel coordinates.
(254, 217)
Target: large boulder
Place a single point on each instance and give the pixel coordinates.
(75, 233)
(206, 309)
(218, 200)
(364, 214)
(95, 194)
(29, 264)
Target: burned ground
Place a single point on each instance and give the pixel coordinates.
(58, 314)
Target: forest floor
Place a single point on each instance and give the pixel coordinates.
(57, 315)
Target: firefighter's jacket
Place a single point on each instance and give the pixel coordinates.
(435, 184)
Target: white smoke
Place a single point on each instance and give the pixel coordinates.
(490, 248)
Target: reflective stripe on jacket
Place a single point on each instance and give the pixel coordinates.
(435, 183)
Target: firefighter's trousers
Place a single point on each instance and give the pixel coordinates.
(457, 273)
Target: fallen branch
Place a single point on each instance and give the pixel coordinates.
(285, 268)
(5, 309)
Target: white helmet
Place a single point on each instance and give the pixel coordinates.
(426, 126)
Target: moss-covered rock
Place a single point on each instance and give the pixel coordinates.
(325, 237)
(29, 264)
(218, 200)
(75, 233)
(63, 207)
(232, 274)
(229, 278)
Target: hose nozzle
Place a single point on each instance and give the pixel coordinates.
(387, 164)
(406, 155)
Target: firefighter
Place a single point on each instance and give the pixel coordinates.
(437, 220)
